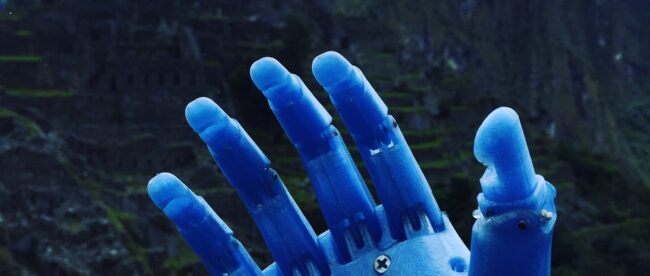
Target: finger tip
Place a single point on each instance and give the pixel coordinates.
(330, 67)
(175, 199)
(164, 188)
(500, 127)
(202, 113)
(500, 119)
(500, 145)
(268, 72)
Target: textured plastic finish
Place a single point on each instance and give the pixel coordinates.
(406, 235)
(500, 145)
(399, 181)
(198, 223)
(514, 229)
(347, 205)
(284, 228)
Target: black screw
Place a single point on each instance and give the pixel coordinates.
(522, 225)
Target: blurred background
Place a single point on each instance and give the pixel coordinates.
(92, 97)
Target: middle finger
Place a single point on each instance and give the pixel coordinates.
(347, 206)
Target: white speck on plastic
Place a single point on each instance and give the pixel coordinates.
(546, 214)
(477, 214)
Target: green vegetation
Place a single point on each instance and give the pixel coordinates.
(38, 93)
(422, 89)
(286, 159)
(32, 128)
(618, 226)
(219, 17)
(21, 58)
(409, 109)
(139, 254)
(428, 145)
(564, 186)
(396, 95)
(119, 219)
(455, 82)
(24, 33)
(435, 164)
(352, 8)
(426, 132)
(302, 193)
(185, 259)
(4, 16)
(133, 183)
(409, 76)
(72, 228)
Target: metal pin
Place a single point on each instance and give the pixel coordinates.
(546, 214)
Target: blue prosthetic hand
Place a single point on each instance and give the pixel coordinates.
(406, 235)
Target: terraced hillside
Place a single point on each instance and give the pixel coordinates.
(92, 96)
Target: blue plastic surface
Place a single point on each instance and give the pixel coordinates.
(198, 223)
(406, 235)
(400, 183)
(516, 216)
(3, 3)
(347, 205)
(284, 228)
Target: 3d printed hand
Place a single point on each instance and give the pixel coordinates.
(406, 235)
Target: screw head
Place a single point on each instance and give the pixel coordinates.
(381, 264)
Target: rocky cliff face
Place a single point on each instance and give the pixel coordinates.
(92, 97)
